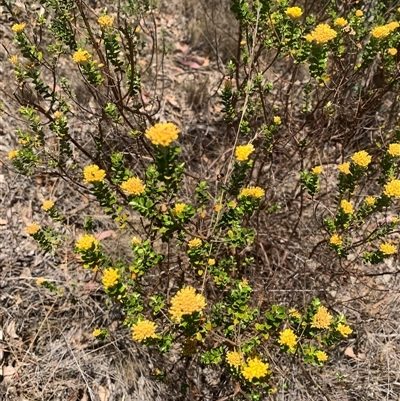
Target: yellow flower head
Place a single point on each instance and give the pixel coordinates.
(96, 332)
(13, 59)
(195, 243)
(322, 34)
(359, 13)
(288, 338)
(336, 240)
(254, 192)
(81, 56)
(136, 241)
(133, 186)
(162, 134)
(394, 149)
(392, 188)
(110, 277)
(18, 28)
(186, 302)
(395, 219)
(370, 200)
(380, 32)
(211, 262)
(179, 207)
(294, 12)
(294, 313)
(344, 330)
(40, 281)
(93, 173)
(346, 206)
(344, 168)
(86, 242)
(392, 51)
(12, 154)
(322, 319)
(321, 356)
(143, 330)
(317, 170)
(105, 21)
(243, 152)
(255, 368)
(47, 205)
(392, 25)
(361, 158)
(32, 228)
(234, 359)
(217, 208)
(58, 115)
(340, 22)
(277, 120)
(387, 248)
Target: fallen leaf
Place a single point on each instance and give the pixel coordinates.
(191, 64)
(103, 393)
(106, 234)
(10, 330)
(350, 352)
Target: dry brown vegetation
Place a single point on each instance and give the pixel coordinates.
(47, 350)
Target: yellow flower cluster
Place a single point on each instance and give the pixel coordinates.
(295, 313)
(321, 356)
(110, 277)
(359, 13)
(179, 207)
(370, 200)
(195, 243)
(217, 208)
(361, 158)
(277, 120)
(392, 188)
(211, 262)
(322, 34)
(234, 359)
(105, 21)
(40, 281)
(294, 12)
(86, 242)
(317, 170)
(288, 338)
(254, 192)
(162, 134)
(32, 229)
(340, 22)
(96, 332)
(255, 369)
(243, 152)
(136, 241)
(12, 154)
(58, 115)
(344, 168)
(81, 56)
(18, 28)
(93, 173)
(382, 31)
(336, 240)
(387, 248)
(322, 319)
(133, 186)
(13, 59)
(344, 330)
(47, 205)
(186, 302)
(392, 51)
(143, 330)
(394, 149)
(346, 206)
